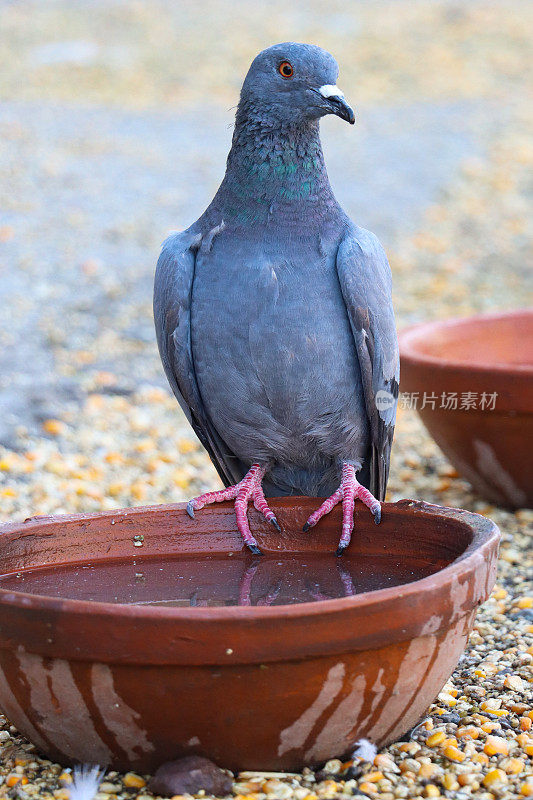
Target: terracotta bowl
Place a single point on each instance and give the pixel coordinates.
(256, 687)
(488, 436)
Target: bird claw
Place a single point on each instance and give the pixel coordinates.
(306, 527)
(248, 489)
(349, 491)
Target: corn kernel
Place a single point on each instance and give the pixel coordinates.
(368, 788)
(138, 490)
(133, 781)
(468, 731)
(329, 788)
(514, 682)
(186, 446)
(448, 699)
(384, 761)
(374, 777)
(488, 727)
(435, 738)
(13, 779)
(500, 594)
(494, 777)
(53, 426)
(65, 777)
(492, 704)
(525, 602)
(409, 747)
(480, 758)
(524, 740)
(526, 790)
(113, 457)
(513, 766)
(526, 723)
(450, 782)
(451, 740)
(453, 753)
(427, 771)
(431, 790)
(495, 745)
(479, 673)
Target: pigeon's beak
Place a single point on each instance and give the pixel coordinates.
(338, 104)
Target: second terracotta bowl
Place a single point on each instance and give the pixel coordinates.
(471, 381)
(249, 686)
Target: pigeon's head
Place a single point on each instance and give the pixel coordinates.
(293, 83)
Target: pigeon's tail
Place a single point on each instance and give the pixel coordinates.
(375, 472)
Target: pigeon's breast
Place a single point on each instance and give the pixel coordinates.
(271, 341)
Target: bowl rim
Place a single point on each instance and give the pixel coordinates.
(485, 533)
(410, 336)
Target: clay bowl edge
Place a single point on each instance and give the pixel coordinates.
(423, 371)
(106, 632)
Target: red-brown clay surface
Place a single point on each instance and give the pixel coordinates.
(488, 354)
(134, 686)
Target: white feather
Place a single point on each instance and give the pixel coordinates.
(85, 782)
(365, 750)
(330, 90)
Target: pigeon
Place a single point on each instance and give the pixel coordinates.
(273, 311)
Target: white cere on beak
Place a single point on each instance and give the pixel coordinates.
(330, 90)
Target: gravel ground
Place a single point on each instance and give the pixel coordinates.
(100, 101)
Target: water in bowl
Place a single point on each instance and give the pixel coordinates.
(220, 580)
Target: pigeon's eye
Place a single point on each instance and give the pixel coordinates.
(285, 69)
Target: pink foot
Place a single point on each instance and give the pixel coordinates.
(244, 491)
(348, 491)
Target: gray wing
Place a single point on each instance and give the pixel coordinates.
(172, 306)
(365, 280)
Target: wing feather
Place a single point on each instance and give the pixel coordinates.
(366, 285)
(172, 315)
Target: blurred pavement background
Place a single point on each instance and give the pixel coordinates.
(115, 121)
